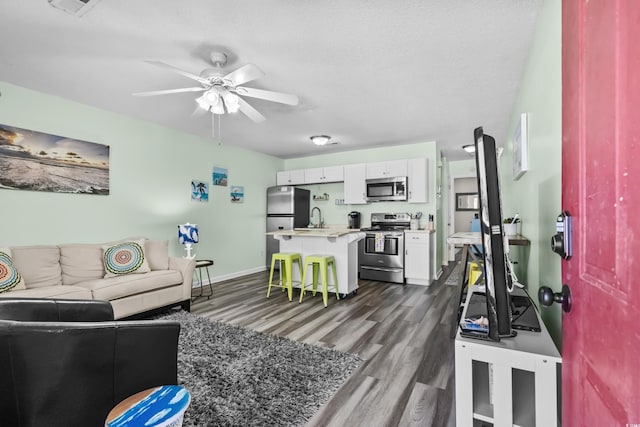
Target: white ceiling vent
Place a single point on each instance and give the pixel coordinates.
(74, 7)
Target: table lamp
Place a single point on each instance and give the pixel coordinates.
(188, 235)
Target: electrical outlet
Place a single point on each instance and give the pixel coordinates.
(339, 201)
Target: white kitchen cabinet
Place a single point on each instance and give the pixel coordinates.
(292, 177)
(418, 177)
(387, 169)
(419, 257)
(355, 189)
(324, 175)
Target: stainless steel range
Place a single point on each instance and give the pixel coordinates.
(381, 252)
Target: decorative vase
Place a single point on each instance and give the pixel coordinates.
(510, 229)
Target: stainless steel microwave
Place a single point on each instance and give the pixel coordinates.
(387, 189)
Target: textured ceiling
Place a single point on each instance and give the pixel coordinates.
(368, 73)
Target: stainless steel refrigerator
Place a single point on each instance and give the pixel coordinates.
(287, 208)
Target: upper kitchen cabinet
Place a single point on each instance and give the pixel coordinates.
(418, 177)
(293, 177)
(324, 175)
(355, 187)
(386, 169)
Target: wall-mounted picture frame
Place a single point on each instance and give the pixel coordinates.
(199, 191)
(237, 194)
(38, 161)
(467, 202)
(219, 176)
(520, 147)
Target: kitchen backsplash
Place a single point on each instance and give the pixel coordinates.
(337, 214)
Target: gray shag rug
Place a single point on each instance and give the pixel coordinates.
(239, 377)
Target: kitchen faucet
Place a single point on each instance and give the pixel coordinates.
(320, 224)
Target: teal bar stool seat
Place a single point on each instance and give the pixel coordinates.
(286, 260)
(320, 263)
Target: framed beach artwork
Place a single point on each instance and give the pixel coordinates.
(199, 191)
(31, 160)
(219, 176)
(237, 194)
(520, 142)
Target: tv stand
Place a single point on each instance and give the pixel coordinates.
(513, 382)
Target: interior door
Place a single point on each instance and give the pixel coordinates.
(600, 181)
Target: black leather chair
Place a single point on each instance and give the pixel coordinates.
(68, 363)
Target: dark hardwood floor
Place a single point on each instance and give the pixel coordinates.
(401, 332)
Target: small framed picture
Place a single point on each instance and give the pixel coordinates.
(219, 176)
(237, 194)
(199, 191)
(520, 143)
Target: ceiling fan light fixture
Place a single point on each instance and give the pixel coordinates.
(320, 139)
(202, 103)
(469, 148)
(231, 102)
(212, 97)
(218, 108)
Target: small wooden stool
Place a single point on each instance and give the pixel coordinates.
(322, 263)
(286, 260)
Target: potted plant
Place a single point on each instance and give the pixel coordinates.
(510, 226)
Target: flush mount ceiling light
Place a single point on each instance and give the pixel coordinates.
(469, 148)
(320, 139)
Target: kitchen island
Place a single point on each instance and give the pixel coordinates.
(341, 243)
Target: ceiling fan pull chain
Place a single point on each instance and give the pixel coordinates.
(215, 128)
(219, 130)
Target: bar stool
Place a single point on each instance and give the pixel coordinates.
(322, 263)
(286, 260)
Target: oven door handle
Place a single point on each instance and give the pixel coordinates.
(366, 267)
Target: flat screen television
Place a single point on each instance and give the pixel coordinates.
(496, 268)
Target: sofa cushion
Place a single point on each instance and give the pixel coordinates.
(83, 261)
(58, 291)
(10, 278)
(130, 284)
(38, 265)
(125, 258)
(157, 252)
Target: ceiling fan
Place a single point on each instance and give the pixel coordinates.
(223, 91)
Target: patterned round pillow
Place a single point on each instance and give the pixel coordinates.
(125, 258)
(10, 278)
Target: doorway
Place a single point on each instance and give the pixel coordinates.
(460, 215)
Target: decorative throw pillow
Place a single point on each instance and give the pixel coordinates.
(10, 278)
(125, 258)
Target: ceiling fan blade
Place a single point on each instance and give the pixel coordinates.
(169, 91)
(283, 98)
(249, 111)
(177, 70)
(244, 74)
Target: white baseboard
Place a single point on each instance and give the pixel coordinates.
(222, 278)
(439, 273)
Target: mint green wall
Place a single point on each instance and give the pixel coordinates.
(151, 168)
(462, 168)
(337, 214)
(537, 194)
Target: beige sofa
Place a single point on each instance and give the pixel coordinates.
(76, 271)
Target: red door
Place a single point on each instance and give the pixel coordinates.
(601, 189)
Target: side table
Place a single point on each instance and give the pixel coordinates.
(162, 406)
(200, 264)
